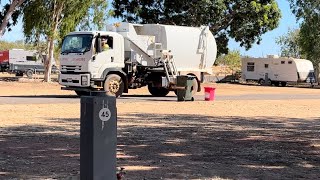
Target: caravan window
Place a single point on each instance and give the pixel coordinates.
(283, 62)
(31, 58)
(290, 62)
(266, 66)
(250, 66)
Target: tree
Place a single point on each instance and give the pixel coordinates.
(51, 20)
(97, 16)
(245, 21)
(232, 60)
(309, 41)
(9, 15)
(289, 44)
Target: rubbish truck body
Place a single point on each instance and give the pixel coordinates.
(137, 55)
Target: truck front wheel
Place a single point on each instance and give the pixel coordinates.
(113, 85)
(158, 91)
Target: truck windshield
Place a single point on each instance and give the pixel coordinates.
(79, 43)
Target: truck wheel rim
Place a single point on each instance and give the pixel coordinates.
(114, 86)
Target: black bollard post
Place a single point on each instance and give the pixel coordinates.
(98, 137)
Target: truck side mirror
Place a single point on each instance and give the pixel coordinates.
(98, 44)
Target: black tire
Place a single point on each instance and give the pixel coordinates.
(158, 91)
(269, 82)
(261, 82)
(20, 74)
(114, 85)
(30, 73)
(82, 93)
(284, 84)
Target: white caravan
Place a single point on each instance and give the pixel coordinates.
(277, 71)
(20, 61)
(138, 55)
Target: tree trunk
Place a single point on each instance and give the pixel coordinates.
(48, 61)
(57, 10)
(317, 73)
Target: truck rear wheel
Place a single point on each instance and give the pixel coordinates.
(158, 91)
(194, 88)
(113, 85)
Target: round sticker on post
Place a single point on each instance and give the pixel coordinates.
(105, 114)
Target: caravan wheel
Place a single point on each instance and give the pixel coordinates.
(29, 73)
(19, 74)
(261, 82)
(284, 84)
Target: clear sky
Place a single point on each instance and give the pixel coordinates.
(266, 47)
(268, 44)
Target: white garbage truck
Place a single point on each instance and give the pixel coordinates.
(136, 55)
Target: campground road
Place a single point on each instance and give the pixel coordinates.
(72, 99)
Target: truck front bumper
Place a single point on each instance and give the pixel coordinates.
(75, 80)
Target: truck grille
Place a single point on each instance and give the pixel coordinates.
(71, 68)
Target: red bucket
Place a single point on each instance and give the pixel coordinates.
(209, 93)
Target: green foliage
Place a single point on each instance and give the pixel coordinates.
(289, 44)
(4, 45)
(13, 18)
(52, 19)
(232, 60)
(245, 21)
(40, 17)
(309, 40)
(97, 16)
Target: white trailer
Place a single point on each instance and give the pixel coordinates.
(139, 55)
(277, 71)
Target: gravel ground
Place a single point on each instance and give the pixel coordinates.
(231, 138)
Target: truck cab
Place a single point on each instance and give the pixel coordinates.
(85, 64)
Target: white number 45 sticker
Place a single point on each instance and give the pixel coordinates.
(105, 114)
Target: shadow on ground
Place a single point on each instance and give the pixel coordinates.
(9, 79)
(155, 146)
(36, 78)
(44, 96)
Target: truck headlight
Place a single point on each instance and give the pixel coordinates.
(84, 80)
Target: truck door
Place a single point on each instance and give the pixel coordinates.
(109, 56)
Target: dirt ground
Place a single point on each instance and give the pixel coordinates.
(223, 139)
